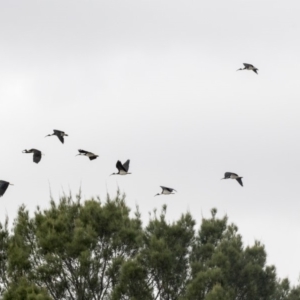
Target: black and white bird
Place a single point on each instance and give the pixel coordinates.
(90, 155)
(37, 154)
(3, 187)
(122, 168)
(166, 191)
(60, 134)
(230, 175)
(249, 67)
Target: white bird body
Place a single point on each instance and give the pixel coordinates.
(230, 175)
(60, 134)
(122, 172)
(88, 154)
(249, 67)
(122, 168)
(166, 191)
(234, 176)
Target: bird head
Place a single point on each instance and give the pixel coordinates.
(25, 151)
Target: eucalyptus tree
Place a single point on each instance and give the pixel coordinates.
(74, 250)
(161, 269)
(4, 242)
(100, 251)
(219, 259)
(24, 290)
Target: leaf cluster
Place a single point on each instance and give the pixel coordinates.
(101, 251)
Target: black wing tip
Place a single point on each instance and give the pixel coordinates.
(37, 159)
(119, 165)
(167, 188)
(239, 180)
(93, 157)
(60, 138)
(82, 151)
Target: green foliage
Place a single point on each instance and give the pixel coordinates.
(74, 250)
(166, 254)
(282, 290)
(218, 293)
(4, 245)
(100, 251)
(219, 258)
(23, 290)
(285, 292)
(132, 282)
(294, 294)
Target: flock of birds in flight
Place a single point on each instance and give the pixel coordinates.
(122, 168)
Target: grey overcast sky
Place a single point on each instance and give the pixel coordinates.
(155, 82)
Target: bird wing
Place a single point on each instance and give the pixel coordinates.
(119, 166)
(255, 70)
(168, 189)
(83, 151)
(59, 132)
(239, 180)
(61, 138)
(126, 165)
(93, 157)
(3, 187)
(37, 156)
(228, 174)
(248, 65)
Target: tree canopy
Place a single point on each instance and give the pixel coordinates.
(100, 250)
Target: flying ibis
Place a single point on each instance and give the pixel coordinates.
(60, 134)
(90, 155)
(3, 187)
(249, 67)
(165, 191)
(231, 175)
(37, 154)
(122, 168)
